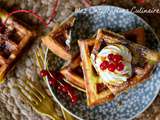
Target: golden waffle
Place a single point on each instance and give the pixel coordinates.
(57, 40)
(12, 40)
(136, 35)
(97, 92)
(70, 71)
(73, 72)
(140, 73)
(113, 38)
(74, 76)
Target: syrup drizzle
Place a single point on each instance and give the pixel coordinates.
(86, 3)
(54, 11)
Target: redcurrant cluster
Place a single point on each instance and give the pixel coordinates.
(55, 81)
(114, 63)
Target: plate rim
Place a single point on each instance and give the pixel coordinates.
(116, 7)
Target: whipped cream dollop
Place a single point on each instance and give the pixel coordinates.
(116, 76)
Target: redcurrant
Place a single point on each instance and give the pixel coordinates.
(43, 73)
(74, 99)
(111, 67)
(104, 65)
(120, 66)
(110, 57)
(117, 58)
(53, 81)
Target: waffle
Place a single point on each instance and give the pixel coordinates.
(57, 40)
(97, 92)
(69, 72)
(114, 38)
(89, 81)
(136, 35)
(141, 73)
(13, 38)
(73, 72)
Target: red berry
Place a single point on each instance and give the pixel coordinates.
(64, 89)
(110, 56)
(59, 87)
(104, 65)
(68, 87)
(43, 73)
(117, 58)
(111, 67)
(53, 81)
(73, 96)
(120, 66)
(74, 99)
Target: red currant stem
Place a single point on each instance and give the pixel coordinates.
(103, 1)
(27, 11)
(69, 91)
(71, 95)
(54, 77)
(52, 16)
(54, 11)
(86, 3)
(139, 1)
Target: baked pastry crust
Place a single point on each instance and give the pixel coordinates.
(73, 72)
(137, 35)
(115, 38)
(12, 47)
(94, 96)
(140, 73)
(89, 80)
(57, 38)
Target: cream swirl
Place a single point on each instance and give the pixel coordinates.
(116, 77)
